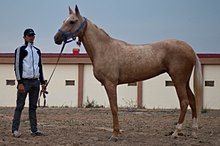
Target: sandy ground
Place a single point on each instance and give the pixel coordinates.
(92, 127)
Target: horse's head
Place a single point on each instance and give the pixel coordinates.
(71, 27)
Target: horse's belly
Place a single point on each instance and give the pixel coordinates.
(134, 74)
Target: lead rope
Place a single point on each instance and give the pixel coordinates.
(61, 51)
(43, 91)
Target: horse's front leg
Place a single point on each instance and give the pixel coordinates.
(112, 96)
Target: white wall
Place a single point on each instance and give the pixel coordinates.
(127, 95)
(155, 93)
(7, 92)
(59, 93)
(93, 90)
(212, 94)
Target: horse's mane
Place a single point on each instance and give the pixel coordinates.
(102, 30)
(107, 35)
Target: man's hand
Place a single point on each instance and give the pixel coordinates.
(44, 88)
(21, 88)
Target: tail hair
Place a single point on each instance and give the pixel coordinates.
(198, 85)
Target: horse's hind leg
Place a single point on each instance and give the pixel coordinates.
(192, 104)
(184, 102)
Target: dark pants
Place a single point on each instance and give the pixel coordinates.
(32, 87)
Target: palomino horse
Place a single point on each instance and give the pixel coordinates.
(117, 62)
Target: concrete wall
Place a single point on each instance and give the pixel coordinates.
(212, 93)
(7, 92)
(59, 93)
(93, 90)
(157, 95)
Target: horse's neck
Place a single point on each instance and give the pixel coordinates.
(95, 40)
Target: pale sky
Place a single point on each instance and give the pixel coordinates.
(135, 21)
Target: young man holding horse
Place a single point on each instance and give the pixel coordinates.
(29, 74)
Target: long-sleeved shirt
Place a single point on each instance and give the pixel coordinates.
(28, 63)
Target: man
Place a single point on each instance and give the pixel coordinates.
(29, 74)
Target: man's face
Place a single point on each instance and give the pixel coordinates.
(29, 38)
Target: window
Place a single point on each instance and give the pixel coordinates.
(70, 82)
(132, 84)
(10, 82)
(209, 83)
(169, 83)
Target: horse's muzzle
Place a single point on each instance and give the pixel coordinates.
(58, 39)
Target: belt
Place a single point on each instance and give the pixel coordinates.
(30, 79)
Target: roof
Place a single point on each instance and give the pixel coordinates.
(209, 55)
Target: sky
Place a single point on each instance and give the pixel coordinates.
(135, 21)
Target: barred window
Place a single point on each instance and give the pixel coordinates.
(132, 84)
(209, 83)
(10, 82)
(70, 82)
(169, 83)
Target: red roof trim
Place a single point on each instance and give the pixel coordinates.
(209, 55)
(7, 55)
(65, 55)
(51, 55)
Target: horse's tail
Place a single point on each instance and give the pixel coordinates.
(198, 85)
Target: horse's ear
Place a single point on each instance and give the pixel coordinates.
(70, 10)
(77, 10)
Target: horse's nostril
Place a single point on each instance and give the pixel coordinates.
(56, 38)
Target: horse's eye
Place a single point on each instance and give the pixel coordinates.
(73, 21)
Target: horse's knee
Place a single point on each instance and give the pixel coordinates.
(184, 104)
(183, 109)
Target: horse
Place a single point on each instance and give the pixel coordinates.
(118, 62)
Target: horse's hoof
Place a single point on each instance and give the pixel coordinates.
(113, 138)
(174, 135)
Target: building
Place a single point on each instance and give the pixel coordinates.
(74, 85)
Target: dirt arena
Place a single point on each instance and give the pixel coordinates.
(92, 127)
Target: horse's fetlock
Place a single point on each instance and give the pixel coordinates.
(179, 127)
(195, 123)
(113, 138)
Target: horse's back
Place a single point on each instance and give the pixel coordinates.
(141, 62)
